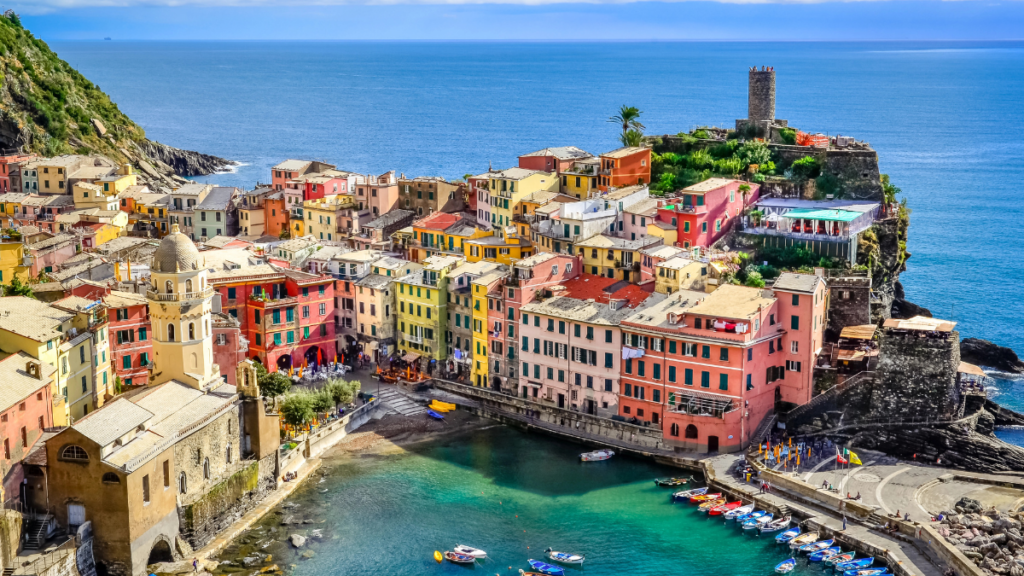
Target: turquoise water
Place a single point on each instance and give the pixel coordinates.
(514, 495)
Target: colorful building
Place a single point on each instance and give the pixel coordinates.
(26, 410)
(557, 159)
(680, 273)
(9, 166)
(508, 187)
(131, 349)
(90, 381)
(707, 210)
(503, 250)
(482, 288)
(625, 167)
(291, 169)
(425, 195)
(423, 308)
(322, 218)
(614, 257)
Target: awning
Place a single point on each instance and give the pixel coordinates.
(411, 357)
(827, 215)
(968, 368)
(865, 332)
(537, 384)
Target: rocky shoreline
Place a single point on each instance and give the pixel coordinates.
(185, 162)
(991, 539)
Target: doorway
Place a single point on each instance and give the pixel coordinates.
(712, 444)
(561, 400)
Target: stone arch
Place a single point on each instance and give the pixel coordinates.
(691, 431)
(191, 330)
(188, 285)
(169, 287)
(170, 332)
(111, 478)
(161, 552)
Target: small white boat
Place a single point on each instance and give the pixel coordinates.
(737, 512)
(596, 455)
(565, 557)
(776, 525)
(470, 551)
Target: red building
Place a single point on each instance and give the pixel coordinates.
(557, 159)
(26, 410)
(624, 167)
(286, 316)
(131, 349)
(707, 368)
(6, 166)
(707, 210)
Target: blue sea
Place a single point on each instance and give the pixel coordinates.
(947, 120)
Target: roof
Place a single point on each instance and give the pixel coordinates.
(656, 315)
(391, 263)
(31, 318)
(389, 218)
(291, 165)
(536, 259)
(122, 243)
(75, 304)
(664, 251)
(119, 299)
(491, 277)
(920, 323)
(516, 173)
(478, 268)
(602, 289)
(677, 263)
(624, 152)
(218, 199)
(625, 191)
(114, 420)
(221, 241)
(299, 243)
(438, 221)
(865, 332)
(375, 281)
(968, 368)
(826, 215)
(793, 282)
(575, 309)
(606, 241)
(17, 383)
(177, 253)
(359, 256)
(732, 301)
(191, 189)
(708, 185)
(561, 152)
(647, 207)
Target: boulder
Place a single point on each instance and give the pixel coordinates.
(985, 353)
(98, 125)
(297, 540)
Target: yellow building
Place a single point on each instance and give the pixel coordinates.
(39, 330)
(10, 207)
(422, 299)
(151, 213)
(509, 187)
(394, 267)
(442, 234)
(12, 260)
(320, 216)
(90, 380)
(614, 257)
(580, 180)
(679, 273)
(481, 287)
(497, 249)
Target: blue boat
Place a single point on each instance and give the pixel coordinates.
(788, 535)
(545, 568)
(755, 523)
(434, 415)
(816, 546)
(867, 572)
(855, 564)
(820, 555)
(751, 516)
(786, 566)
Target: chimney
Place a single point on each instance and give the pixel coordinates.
(32, 368)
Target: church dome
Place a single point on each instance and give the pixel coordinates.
(176, 253)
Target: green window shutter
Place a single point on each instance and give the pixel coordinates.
(671, 375)
(688, 377)
(705, 379)
(723, 381)
(794, 322)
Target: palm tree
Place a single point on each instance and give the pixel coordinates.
(631, 138)
(628, 117)
(745, 192)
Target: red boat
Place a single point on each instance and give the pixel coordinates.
(702, 497)
(719, 510)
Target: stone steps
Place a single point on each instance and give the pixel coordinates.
(399, 403)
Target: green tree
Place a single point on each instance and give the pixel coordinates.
(806, 168)
(17, 288)
(631, 138)
(629, 118)
(889, 189)
(273, 384)
(754, 280)
(342, 392)
(297, 409)
(754, 152)
(322, 401)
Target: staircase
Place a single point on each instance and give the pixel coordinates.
(398, 403)
(35, 532)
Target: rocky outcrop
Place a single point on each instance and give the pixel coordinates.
(184, 162)
(985, 353)
(902, 308)
(989, 538)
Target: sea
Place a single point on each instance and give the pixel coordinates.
(514, 495)
(946, 118)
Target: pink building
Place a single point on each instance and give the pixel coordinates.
(635, 218)
(52, 252)
(291, 169)
(707, 368)
(570, 343)
(480, 198)
(229, 347)
(707, 210)
(26, 410)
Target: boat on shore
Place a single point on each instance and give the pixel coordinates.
(756, 523)
(671, 482)
(723, 508)
(776, 525)
(456, 558)
(788, 535)
(597, 455)
(545, 568)
(803, 539)
(737, 512)
(565, 557)
(687, 494)
(434, 415)
(822, 555)
(786, 566)
(469, 551)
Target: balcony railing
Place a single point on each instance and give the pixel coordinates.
(270, 302)
(180, 297)
(413, 339)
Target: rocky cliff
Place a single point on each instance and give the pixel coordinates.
(49, 108)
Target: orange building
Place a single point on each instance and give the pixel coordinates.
(625, 167)
(275, 214)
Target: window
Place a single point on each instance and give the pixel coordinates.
(796, 299)
(705, 352)
(182, 483)
(609, 358)
(73, 452)
(688, 377)
(794, 323)
(793, 347)
(657, 372)
(607, 335)
(126, 362)
(723, 381)
(561, 327)
(750, 383)
(723, 354)
(206, 468)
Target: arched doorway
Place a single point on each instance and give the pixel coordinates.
(312, 357)
(161, 552)
(284, 362)
(691, 432)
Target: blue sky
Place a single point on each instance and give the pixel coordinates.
(521, 20)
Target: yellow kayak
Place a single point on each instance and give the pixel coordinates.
(439, 406)
(438, 557)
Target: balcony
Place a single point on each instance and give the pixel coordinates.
(269, 302)
(181, 297)
(412, 339)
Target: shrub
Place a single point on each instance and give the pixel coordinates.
(826, 184)
(788, 136)
(700, 159)
(728, 166)
(724, 150)
(273, 384)
(701, 134)
(754, 152)
(806, 168)
(297, 409)
(754, 280)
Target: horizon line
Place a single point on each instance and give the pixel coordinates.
(537, 41)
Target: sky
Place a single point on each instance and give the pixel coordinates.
(523, 20)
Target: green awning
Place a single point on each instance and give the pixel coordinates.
(826, 215)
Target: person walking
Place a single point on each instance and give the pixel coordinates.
(844, 522)
(195, 565)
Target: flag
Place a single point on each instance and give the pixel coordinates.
(840, 459)
(854, 459)
(798, 459)
(758, 448)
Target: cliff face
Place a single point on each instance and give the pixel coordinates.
(48, 108)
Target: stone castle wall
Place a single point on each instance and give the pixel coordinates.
(761, 95)
(849, 304)
(916, 377)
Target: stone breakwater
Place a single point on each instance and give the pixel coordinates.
(992, 540)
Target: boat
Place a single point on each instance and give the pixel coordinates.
(786, 566)
(704, 497)
(755, 523)
(470, 551)
(776, 525)
(723, 508)
(545, 568)
(596, 455)
(437, 556)
(788, 535)
(687, 494)
(867, 572)
(803, 539)
(737, 512)
(822, 555)
(815, 546)
(855, 564)
(839, 558)
(751, 516)
(669, 482)
(434, 415)
(525, 573)
(439, 406)
(565, 557)
(707, 505)
(457, 558)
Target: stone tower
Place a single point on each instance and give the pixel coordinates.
(761, 95)
(180, 305)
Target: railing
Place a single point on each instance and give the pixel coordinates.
(765, 427)
(413, 339)
(154, 295)
(855, 380)
(275, 302)
(797, 235)
(49, 559)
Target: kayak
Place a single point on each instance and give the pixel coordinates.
(786, 566)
